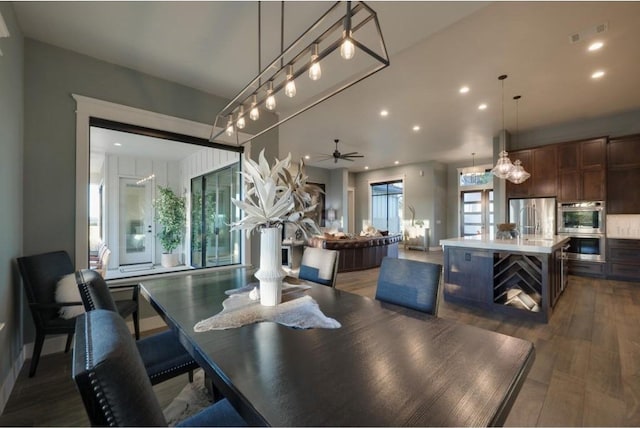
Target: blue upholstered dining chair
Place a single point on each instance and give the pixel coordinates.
(410, 283)
(40, 276)
(112, 381)
(163, 355)
(319, 265)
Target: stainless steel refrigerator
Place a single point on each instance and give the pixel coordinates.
(534, 216)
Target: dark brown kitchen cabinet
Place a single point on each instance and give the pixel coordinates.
(581, 170)
(623, 174)
(624, 259)
(520, 190)
(541, 163)
(544, 171)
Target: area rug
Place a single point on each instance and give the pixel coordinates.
(192, 399)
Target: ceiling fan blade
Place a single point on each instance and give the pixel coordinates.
(347, 159)
(353, 156)
(350, 153)
(323, 158)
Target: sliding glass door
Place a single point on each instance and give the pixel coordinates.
(212, 241)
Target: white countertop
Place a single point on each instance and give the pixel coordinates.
(525, 243)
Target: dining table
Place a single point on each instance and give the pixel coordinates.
(384, 366)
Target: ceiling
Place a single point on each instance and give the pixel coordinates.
(434, 48)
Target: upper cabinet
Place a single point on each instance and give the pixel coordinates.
(581, 170)
(623, 174)
(542, 164)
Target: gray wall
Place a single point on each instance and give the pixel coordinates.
(11, 191)
(426, 192)
(51, 76)
(614, 125)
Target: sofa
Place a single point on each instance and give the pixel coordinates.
(359, 253)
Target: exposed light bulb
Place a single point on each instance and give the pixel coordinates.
(270, 102)
(229, 130)
(347, 49)
(290, 88)
(254, 114)
(315, 72)
(241, 123)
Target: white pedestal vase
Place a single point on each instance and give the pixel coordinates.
(270, 273)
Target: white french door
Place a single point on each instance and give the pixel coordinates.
(135, 213)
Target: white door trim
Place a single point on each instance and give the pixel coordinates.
(86, 108)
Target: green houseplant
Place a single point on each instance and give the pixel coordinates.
(171, 215)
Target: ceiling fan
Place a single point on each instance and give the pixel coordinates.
(336, 155)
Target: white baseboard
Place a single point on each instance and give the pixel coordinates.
(55, 344)
(9, 382)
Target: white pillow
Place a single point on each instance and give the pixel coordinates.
(67, 292)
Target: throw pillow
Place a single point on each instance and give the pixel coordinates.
(67, 292)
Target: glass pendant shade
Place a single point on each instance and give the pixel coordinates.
(503, 167)
(347, 49)
(254, 114)
(290, 88)
(518, 175)
(315, 72)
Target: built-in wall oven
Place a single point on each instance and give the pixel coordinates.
(584, 223)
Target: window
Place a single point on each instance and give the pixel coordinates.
(386, 205)
(478, 177)
(212, 241)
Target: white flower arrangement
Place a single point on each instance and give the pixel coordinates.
(274, 197)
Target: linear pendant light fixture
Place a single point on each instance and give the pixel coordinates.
(344, 46)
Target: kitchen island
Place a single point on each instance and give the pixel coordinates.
(522, 277)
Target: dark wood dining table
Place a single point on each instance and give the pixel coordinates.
(386, 366)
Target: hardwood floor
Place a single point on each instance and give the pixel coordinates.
(586, 372)
(587, 367)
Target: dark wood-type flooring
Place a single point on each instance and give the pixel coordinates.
(586, 372)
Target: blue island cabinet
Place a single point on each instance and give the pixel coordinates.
(523, 281)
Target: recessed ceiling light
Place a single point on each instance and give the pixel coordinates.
(307, 157)
(366, 167)
(598, 74)
(117, 144)
(416, 128)
(595, 46)
(384, 113)
(464, 90)
(396, 162)
(482, 106)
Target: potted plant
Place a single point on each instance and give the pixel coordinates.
(170, 214)
(273, 197)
